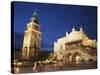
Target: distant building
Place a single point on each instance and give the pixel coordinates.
(32, 39)
(75, 47)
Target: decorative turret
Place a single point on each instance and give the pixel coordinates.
(66, 34)
(81, 29)
(73, 29)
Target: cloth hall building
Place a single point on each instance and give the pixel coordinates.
(75, 47)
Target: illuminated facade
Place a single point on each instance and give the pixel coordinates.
(32, 39)
(75, 47)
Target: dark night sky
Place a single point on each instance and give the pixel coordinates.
(54, 20)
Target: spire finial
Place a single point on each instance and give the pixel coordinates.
(34, 17)
(66, 34)
(73, 29)
(35, 12)
(81, 29)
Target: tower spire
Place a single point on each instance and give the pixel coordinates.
(35, 12)
(34, 17)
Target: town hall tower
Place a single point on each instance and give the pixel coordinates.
(32, 39)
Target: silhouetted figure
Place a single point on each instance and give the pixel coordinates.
(35, 67)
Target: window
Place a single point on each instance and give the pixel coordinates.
(60, 47)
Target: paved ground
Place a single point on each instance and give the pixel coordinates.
(55, 67)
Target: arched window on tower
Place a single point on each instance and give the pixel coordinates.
(35, 44)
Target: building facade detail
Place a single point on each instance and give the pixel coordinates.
(75, 47)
